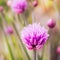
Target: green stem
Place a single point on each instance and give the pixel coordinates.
(6, 38)
(21, 42)
(17, 47)
(9, 48)
(8, 45)
(3, 19)
(34, 54)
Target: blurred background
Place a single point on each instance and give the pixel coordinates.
(40, 11)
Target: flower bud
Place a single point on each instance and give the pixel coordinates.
(9, 30)
(35, 3)
(51, 23)
(58, 50)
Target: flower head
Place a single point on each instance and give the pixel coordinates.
(34, 36)
(19, 6)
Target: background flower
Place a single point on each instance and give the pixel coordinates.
(9, 30)
(1, 8)
(51, 23)
(19, 6)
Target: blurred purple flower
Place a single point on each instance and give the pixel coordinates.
(1, 8)
(19, 6)
(34, 36)
(51, 23)
(9, 30)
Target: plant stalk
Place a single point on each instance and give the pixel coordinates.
(35, 56)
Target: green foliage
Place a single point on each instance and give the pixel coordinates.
(3, 3)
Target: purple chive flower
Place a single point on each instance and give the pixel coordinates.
(51, 23)
(34, 36)
(19, 6)
(58, 50)
(9, 30)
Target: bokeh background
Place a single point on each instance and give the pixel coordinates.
(11, 46)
